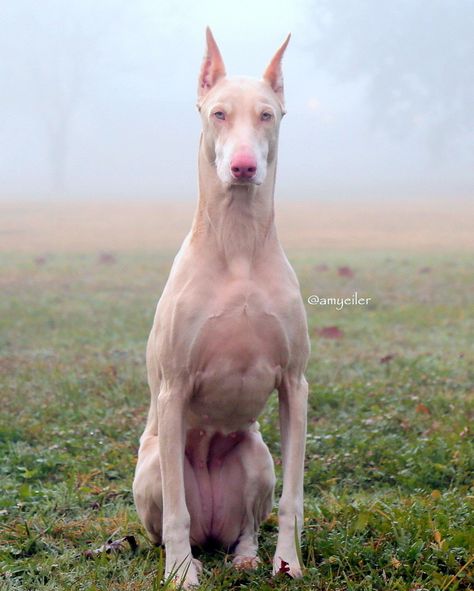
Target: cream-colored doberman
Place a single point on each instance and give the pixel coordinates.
(230, 328)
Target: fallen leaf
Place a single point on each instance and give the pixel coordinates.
(107, 258)
(331, 332)
(395, 562)
(84, 479)
(40, 260)
(387, 358)
(112, 546)
(422, 408)
(345, 272)
(284, 567)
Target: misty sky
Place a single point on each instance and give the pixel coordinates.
(98, 97)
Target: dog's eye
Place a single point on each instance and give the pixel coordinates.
(220, 115)
(266, 116)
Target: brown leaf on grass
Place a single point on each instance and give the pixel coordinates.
(395, 562)
(345, 272)
(284, 567)
(84, 479)
(330, 332)
(387, 358)
(422, 409)
(107, 258)
(40, 260)
(112, 546)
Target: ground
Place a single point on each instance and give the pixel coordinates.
(390, 457)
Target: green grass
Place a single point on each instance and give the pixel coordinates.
(390, 456)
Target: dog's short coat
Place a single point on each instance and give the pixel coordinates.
(230, 327)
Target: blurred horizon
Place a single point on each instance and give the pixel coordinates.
(50, 228)
(98, 98)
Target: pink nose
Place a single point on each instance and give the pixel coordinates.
(243, 166)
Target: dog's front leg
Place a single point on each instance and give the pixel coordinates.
(176, 519)
(293, 399)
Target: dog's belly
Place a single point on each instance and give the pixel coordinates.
(217, 474)
(239, 360)
(213, 503)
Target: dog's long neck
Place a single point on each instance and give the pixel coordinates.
(236, 222)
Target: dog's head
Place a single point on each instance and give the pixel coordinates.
(241, 117)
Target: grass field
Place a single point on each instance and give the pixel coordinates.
(390, 450)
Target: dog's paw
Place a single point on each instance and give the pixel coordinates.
(188, 582)
(198, 565)
(187, 576)
(245, 562)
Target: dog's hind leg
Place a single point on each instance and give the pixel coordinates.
(147, 489)
(258, 497)
(148, 495)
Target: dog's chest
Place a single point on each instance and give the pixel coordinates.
(238, 352)
(240, 325)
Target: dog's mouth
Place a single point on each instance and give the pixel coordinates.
(245, 182)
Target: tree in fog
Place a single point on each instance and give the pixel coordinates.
(58, 73)
(413, 56)
(55, 48)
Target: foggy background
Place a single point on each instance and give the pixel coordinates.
(98, 97)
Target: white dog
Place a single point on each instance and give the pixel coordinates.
(230, 328)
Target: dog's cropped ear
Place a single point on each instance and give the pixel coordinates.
(274, 75)
(212, 68)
